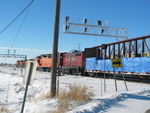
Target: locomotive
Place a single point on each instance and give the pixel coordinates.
(21, 63)
(72, 63)
(44, 62)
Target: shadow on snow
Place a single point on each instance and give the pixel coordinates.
(105, 104)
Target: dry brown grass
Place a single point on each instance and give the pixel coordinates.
(62, 107)
(43, 96)
(3, 109)
(75, 94)
(46, 95)
(147, 111)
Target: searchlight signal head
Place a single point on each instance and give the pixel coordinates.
(85, 21)
(102, 31)
(8, 51)
(85, 29)
(66, 18)
(99, 22)
(67, 27)
(14, 51)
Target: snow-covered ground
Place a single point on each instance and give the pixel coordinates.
(135, 100)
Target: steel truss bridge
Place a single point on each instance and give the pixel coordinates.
(136, 47)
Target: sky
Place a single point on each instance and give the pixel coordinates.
(38, 22)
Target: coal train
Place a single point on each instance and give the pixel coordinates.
(134, 55)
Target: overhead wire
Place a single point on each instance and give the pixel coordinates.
(21, 25)
(12, 21)
(18, 31)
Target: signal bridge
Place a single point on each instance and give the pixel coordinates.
(28, 50)
(21, 52)
(12, 56)
(101, 29)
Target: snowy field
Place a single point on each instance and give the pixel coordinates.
(135, 100)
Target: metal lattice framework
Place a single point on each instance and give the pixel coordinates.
(6, 52)
(136, 47)
(25, 49)
(13, 56)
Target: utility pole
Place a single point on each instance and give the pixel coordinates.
(55, 49)
(79, 46)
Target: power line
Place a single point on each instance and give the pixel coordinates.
(15, 38)
(11, 22)
(18, 31)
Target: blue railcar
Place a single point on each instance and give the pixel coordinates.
(130, 65)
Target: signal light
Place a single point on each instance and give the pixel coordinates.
(85, 29)
(8, 51)
(102, 31)
(67, 27)
(99, 22)
(85, 21)
(66, 18)
(14, 51)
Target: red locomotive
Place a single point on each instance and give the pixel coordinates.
(72, 63)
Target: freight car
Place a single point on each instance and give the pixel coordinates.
(134, 54)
